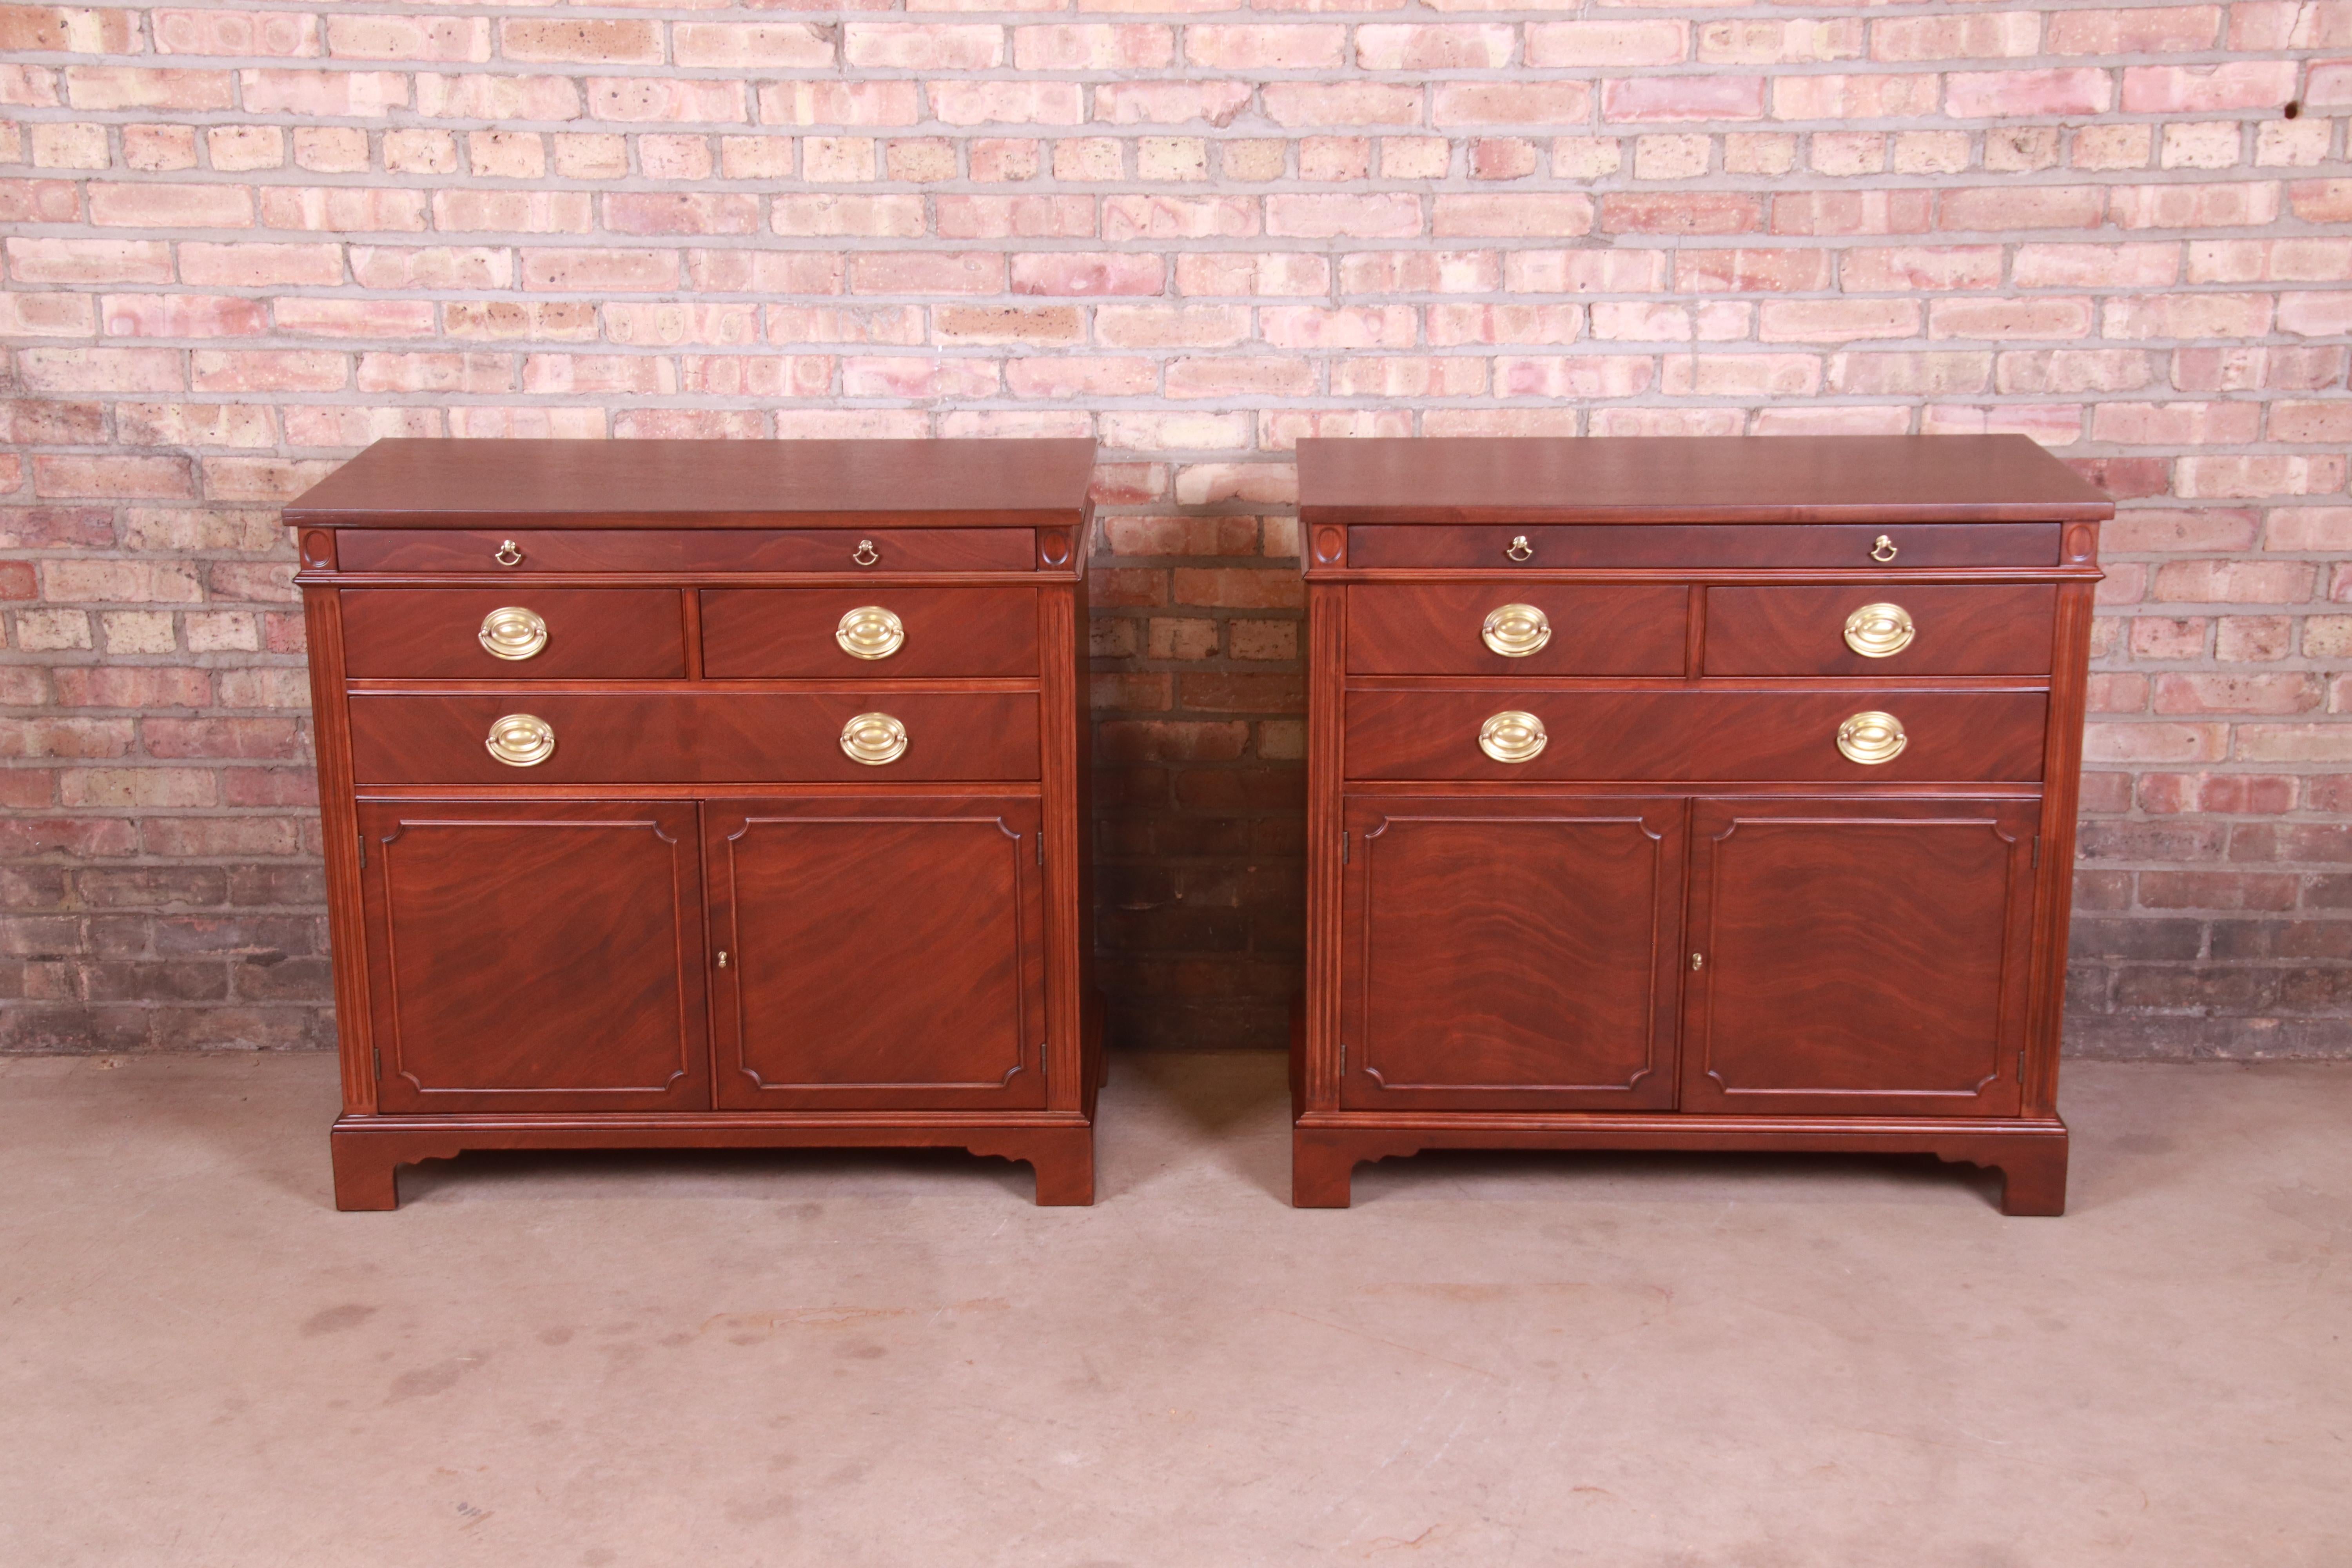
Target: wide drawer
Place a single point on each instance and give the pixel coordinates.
(870, 633)
(526, 551)
(543, 634)
(1695, 734)
(675, 737)
(1526, 628)
(1882, 628)
(1699, 547)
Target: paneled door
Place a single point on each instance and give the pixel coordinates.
(1512, 954)
(535, 956)
(1859, 956)
(879, 951)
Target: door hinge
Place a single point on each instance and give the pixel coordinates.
(2037, 851)
(2021, 1067)
(1041, 850)
(377, 1052)
(1698, 961)
(1343, 847)
(362, 837)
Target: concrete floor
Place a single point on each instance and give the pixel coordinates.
(894, 1359)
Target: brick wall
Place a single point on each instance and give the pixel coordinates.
(242, 243)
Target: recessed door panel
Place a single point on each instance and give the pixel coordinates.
(1858, 956)
(1510, 955)
(881, 953)
(535, 956)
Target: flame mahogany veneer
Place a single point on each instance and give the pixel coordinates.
(1692, 917)
(698, 921)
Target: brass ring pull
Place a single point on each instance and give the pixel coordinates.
(512, 632)
(870, 631)
(1519, 549)
(507, 554)
(1879, 631)
(874, 739)
(865, 554)
(1515, 631)
(1882, 551)
(1512, 737)
(1872, 738)
(522, 740)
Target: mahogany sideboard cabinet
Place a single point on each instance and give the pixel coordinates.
(705, 794)
(1690, 793)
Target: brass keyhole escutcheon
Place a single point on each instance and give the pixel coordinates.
(1884, 550)
(522, 740)
(1879, 631)
(874, 739)
(1515, 631)
(1872, 738)
(1512, 736)
(508, 554)
(512, 632)
(870, 631)
(865, 554)
(1519, 549)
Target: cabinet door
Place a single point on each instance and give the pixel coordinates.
(882, 952)
(1510, 955)
(1858, 956)
(535, 956)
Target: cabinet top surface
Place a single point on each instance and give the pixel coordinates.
(439, 483)
(1687, 478)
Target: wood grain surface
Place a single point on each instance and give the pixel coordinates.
(536, 955)
(1697, 734)
(457, 484)
(672, 737)
(1973, 628)
(1692, 479)
(749, 633)
(645, 550)
(886, 953)
(420, 633)
(1720, 547)
(1432, 629)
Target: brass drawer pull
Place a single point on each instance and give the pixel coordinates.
(1872, 738)
(1515, 631)
(1519, 549)
(870, 631)
(1884, 550)
(507, 554)
(512, 632)
(522, 740)
(1879, 631)
(874, 739)
(865, 554)
(1512, 736)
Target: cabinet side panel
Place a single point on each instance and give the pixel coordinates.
(338, 826)
(1060, 722)
(2062, 799)
(1316, 1076)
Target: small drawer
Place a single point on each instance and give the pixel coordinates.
(1523, 628)
(497, 634)
(692, 738)
(1693, 734)
(525, 551)
(1699, 547)
(874, 634)
(1882, 628)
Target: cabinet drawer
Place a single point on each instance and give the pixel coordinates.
(899, 633)
(1990, 628)
(687, 550)
(544, 633)
(1700, 546)
(1564, 628)
(675, 737)
(1696, 735)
